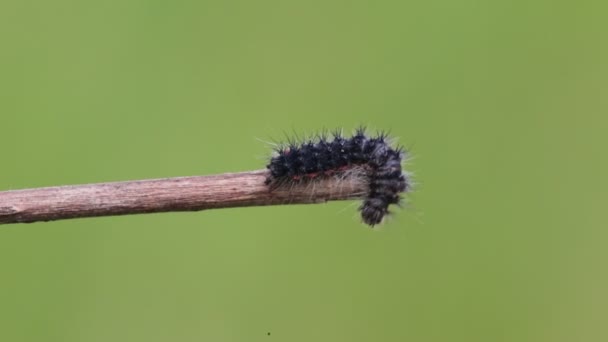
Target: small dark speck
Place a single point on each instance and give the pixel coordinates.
(268, 333)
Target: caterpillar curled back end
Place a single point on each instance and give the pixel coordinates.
(360, 157)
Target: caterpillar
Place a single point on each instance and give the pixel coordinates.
(324, 157)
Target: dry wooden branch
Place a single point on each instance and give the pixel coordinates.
(163, 195)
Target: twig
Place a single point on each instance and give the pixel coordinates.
(163, 195)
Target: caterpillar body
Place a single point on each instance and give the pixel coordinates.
(379, 162)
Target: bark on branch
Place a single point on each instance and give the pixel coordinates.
(169, 194)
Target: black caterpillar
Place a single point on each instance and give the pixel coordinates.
(321, 156)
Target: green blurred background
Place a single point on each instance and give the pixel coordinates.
(503, 105)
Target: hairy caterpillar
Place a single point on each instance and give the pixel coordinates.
(323, 157)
